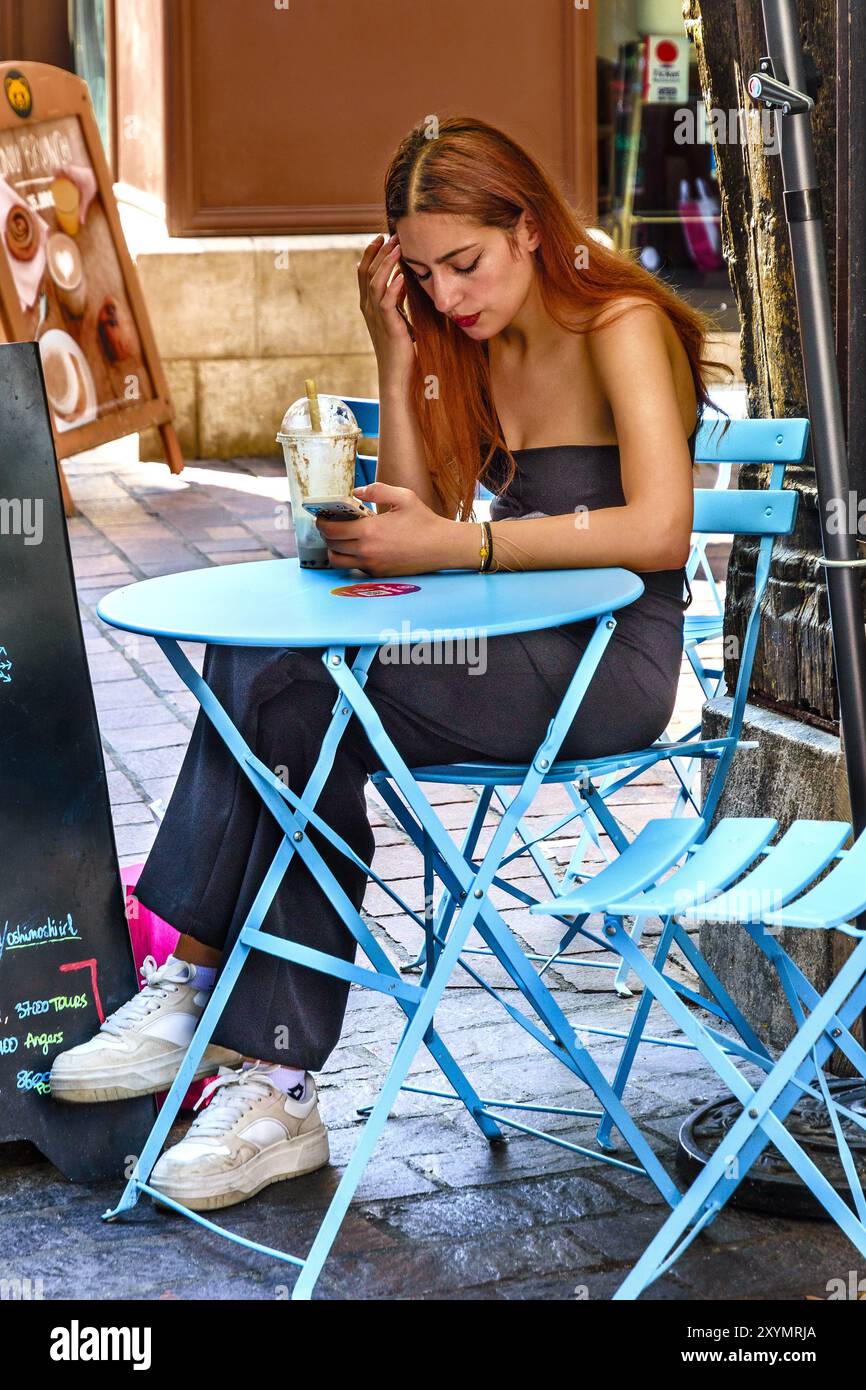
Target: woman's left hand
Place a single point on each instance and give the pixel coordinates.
(409, 538)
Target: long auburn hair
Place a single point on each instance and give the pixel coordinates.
(464, 167)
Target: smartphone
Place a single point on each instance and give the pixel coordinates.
(336, 508)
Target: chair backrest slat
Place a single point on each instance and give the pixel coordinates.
(752, 441)
(753, 512)
(366, 412)
(744, 442)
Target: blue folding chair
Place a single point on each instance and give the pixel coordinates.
(761, 513)
(749, 444)
(710, 887)
(699, 629)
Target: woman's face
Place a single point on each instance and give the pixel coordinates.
(469, 271)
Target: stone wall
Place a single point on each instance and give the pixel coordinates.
(241, 322)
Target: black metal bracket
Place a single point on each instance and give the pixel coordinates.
(814, 75)
(772, 67)
(776, 95)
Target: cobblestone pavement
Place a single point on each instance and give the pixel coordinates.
(440, 1214)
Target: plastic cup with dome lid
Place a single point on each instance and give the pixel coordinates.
(319, 435)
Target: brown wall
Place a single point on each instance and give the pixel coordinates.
(283, 120)
(35, 29)
(250, 118)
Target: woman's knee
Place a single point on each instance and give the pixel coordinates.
(233, 673)
(293, 728)
(245, 679)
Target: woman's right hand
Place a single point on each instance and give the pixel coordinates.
(395, 353)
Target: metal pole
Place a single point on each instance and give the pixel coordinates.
(781, 86)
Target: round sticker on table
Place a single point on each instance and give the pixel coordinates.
(375, 590)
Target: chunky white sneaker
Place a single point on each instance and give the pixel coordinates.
(140, 1047)
(251, 1134)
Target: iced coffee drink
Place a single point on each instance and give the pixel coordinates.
(319, 435)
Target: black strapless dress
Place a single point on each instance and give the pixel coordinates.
(641, 667)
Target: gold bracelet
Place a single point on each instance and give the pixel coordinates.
(484, 552)
(486, 548)
(492, 565)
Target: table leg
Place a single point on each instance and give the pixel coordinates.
(276, 795)
(462, 878)
(411, 1040)
(473, 900)
(293, 813)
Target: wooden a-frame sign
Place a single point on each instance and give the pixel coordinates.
(67, 279)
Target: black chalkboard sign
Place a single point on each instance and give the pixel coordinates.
(65, 955)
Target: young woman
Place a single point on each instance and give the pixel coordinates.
(514, 348)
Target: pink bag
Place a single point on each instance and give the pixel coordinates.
(151, 936)
(704, 238)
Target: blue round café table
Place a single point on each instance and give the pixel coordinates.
(276, 603)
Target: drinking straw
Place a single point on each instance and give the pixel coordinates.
(315, 414)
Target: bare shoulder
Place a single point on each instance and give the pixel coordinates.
(627, 309)
(627, 330)
(634, 335)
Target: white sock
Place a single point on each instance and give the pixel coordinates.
(205, 975)
(291, 1080)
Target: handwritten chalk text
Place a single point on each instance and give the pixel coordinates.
(35, 1081)
(42, 1041)
(52, 929)
(26, 1008)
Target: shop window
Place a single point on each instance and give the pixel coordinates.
(658, 181)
